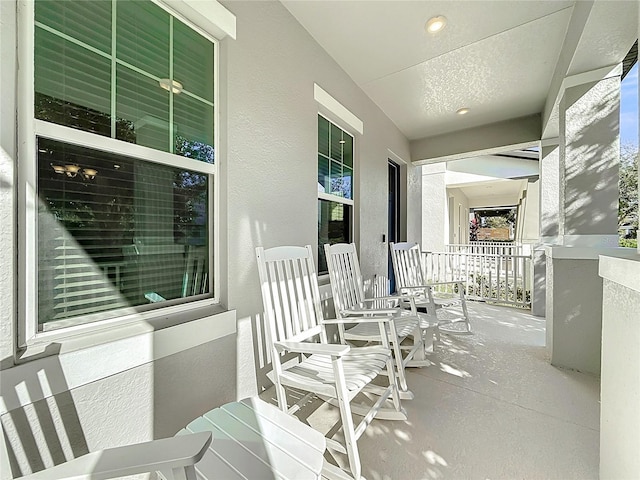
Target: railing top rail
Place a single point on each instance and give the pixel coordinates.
(468, 254)
(493, 244)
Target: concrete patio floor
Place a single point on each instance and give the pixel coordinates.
(491, 407)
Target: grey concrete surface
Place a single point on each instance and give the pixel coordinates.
(491, 407)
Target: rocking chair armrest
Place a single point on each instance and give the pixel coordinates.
(334, 349)
(164, 454)
(365, 312)
(360, 319)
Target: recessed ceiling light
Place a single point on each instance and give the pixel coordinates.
(435, 24)
(462, 111)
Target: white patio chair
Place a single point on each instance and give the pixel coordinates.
(450, 307)
(333, 372)
(174, 457)
(350, 303)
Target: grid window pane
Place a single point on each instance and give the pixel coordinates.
(347, 150)
(324, 179)
(336, 179)
(337, 165)
(142, 33)
(115, 233)
(336, 144)
(72, 85)
(193, 129)
(192, 61)
(347, 183)
(85, 20)
(144, 106)
(323, 136)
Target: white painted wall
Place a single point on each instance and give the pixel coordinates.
(268, 170)
(620, 376)
(435, 216)
(272, 161)
(459, 230)
(495, 166)
(528, 228)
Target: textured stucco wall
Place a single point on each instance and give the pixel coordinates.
(620, 383)
(460, 225)
(7, 168)
(590, 114)
(574, 313)
(272, 160)
(435, 216)
(154, 400)
(269, 197)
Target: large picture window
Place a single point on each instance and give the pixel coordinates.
(124, 154)
(335, 187)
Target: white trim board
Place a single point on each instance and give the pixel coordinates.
(337, 109)
(60, 373)
(209, 16)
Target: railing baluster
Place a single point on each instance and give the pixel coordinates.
(497, 276)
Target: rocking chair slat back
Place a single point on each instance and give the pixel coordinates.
(345, 272)
(407, 265)
(290, 292)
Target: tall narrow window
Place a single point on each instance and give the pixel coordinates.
(335, 187)
(125, 160)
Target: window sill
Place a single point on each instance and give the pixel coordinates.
(67, 363)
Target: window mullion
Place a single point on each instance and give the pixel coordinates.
(171, 142)
(113, 68)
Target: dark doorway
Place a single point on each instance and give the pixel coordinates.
(393, 234)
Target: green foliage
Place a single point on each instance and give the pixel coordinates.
(628, 184)
(628, 242)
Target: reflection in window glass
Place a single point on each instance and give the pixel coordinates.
(334, 226)
(116, 233)
(163, 93)
(335, 178)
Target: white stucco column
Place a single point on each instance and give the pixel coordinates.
(550, 193)
(589, 163)
(435, 218)
(550, 219)
(581, 184)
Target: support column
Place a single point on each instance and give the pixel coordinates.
(549, 223)
(435, 219)
(590, 158)
(584, 190)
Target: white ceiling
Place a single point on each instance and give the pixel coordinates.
(497, 58)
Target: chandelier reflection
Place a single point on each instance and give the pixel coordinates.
(72, 170)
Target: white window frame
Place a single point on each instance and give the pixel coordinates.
(337, 198)
(332, 110)
(29, 128)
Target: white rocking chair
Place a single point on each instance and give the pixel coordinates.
(173, 457)
(444, 300)
(350, 304)
(333, 372)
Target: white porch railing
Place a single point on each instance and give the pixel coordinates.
(504, 277)
(489, 248)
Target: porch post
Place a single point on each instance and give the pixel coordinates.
(549, 222)
(590, 158)
(586, 198)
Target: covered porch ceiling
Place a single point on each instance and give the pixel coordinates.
(502, 60)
